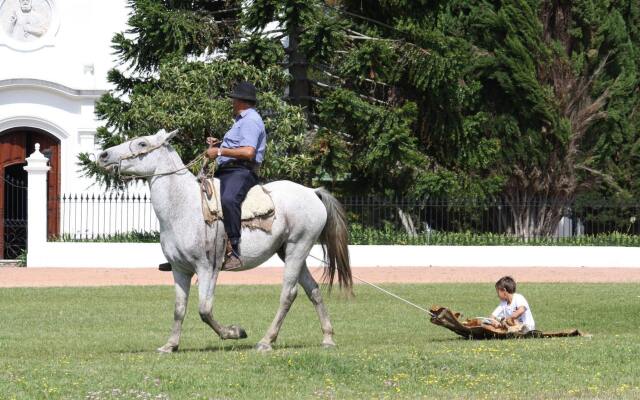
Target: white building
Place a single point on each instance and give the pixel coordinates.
(54, 58)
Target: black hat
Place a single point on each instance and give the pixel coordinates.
(244, 91)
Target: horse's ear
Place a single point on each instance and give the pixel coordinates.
(165, 137)
(171, 134)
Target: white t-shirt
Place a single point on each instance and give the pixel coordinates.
(505, 310)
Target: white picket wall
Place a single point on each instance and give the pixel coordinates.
(149, 255)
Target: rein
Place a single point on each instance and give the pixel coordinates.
(149, 149)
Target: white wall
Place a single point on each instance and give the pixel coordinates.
(54, 86)
(62, 115)
(149, 255)
(83, 39)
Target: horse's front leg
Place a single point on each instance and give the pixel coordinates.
(182, 282)
(207, 278)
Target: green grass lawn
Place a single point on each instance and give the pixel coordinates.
(99, 343)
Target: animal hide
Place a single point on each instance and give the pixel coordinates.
(478, 328)
(258, 210)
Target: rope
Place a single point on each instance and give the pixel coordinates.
(381, 289)
(133, 154)
(202, 156)
(392, 294)
(202, 175)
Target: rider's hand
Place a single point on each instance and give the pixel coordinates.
(212, 153)
(211, 141)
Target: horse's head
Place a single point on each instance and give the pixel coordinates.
(137, 157)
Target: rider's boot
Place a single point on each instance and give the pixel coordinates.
(164, 267)
(232, 256)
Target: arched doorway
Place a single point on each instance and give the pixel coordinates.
(15, 145)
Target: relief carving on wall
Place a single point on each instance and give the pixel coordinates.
(26, 24)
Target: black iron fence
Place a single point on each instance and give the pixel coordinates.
(390, 220)
(13, 225)
(89, 216)
(471, 221)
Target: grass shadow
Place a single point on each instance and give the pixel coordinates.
(215, 349)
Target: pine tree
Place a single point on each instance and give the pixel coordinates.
(560, 84)
(535, 102)
(532, 101)
(174, 74)
(361, 137)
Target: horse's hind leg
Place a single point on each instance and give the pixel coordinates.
(294, 260)
(182, 284)
(313, 292)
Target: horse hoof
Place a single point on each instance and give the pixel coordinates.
(167, 349)
(263, 347)
(327, 342)
(237, 332)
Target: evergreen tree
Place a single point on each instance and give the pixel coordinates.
(363, 136)
(560, 83)
(533, 101)
(173, 74)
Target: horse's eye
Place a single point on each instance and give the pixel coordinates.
(142, 144)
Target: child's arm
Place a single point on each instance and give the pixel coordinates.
(517, 313)
(495, 317)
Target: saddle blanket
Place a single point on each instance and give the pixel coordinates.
(258, 210)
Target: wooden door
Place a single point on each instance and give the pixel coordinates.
(12, 151)
(15, 146)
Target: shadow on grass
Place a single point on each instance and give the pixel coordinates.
(221, 348)
(448, 339)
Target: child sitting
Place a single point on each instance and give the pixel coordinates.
(513, 309)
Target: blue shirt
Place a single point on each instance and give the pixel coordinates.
(247, 131)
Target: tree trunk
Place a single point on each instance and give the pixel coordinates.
(299, 90)
(407, 223)
(535, 217)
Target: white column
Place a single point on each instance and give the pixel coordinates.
(37, 169)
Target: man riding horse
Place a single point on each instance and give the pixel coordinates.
(238, 158)
(192, 245)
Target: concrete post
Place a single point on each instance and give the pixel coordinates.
(37, 169)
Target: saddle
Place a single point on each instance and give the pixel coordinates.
(480, 328)
(258, 210)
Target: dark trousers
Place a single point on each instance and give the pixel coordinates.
(235, 183)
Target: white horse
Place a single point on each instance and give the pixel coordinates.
(302, 216)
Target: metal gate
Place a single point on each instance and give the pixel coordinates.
(14, 217)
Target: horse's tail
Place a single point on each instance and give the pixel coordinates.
(335, 241)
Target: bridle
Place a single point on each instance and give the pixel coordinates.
(148, 149)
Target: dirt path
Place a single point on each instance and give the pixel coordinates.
(54, 277)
